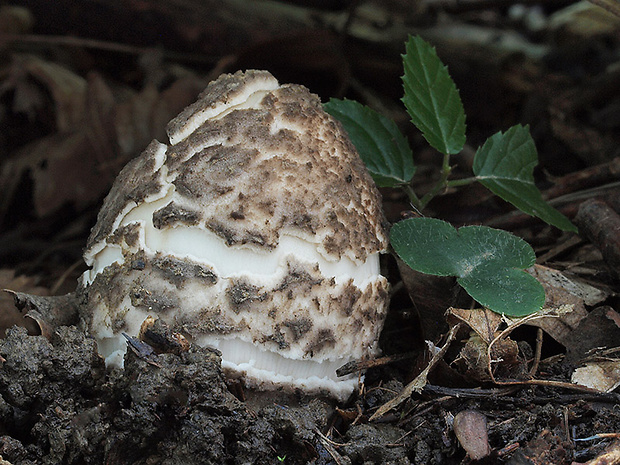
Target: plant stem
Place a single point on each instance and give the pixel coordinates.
(462, 182)
(441, 184)
(413, 198)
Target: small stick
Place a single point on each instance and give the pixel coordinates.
(592, 176)
(601, 224)
(538, 352)
(599, 436)
(70, 41)
(356, 366)
(420, 381)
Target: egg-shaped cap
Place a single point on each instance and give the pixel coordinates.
(256, 230)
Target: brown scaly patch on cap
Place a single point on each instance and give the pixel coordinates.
(285, 152)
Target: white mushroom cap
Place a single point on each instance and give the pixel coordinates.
(257, 231)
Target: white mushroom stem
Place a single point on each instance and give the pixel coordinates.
(244, 359)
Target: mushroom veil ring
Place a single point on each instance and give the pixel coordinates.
(257, 230)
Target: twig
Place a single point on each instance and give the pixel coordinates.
(530, 382)
(452, 6)
(472, 393)
(538, 352)
(600, 223)
(355, 366)
(329, 447)
(69, 41)
(599, 436)
(587, 178)
(549, 383)
(332, 442)
(418, 383)
(559, 249)
(477, 393)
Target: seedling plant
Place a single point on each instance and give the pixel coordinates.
(488, 263)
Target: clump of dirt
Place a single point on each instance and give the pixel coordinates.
(58, 405)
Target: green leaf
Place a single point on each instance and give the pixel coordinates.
(431, 98)
(487, 262)
(382, 147)
(505, 165)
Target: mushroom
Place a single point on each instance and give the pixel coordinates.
(257, 231)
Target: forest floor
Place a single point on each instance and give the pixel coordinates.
(84, 87)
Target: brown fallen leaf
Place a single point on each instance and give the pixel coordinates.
(31, 78)
(9, 315)
(49, 312)
(555, 281)
(470, 428)
(483, 321)
(566, 301)
(489, 351)
(484, 348)
(602, 375)
(502, 356)
(600, 329)
(429, 293)
(97, 131)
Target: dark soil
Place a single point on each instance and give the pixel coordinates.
(59, 405)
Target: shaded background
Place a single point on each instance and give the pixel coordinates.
(86, 85)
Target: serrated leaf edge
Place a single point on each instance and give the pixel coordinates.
(445, 136)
